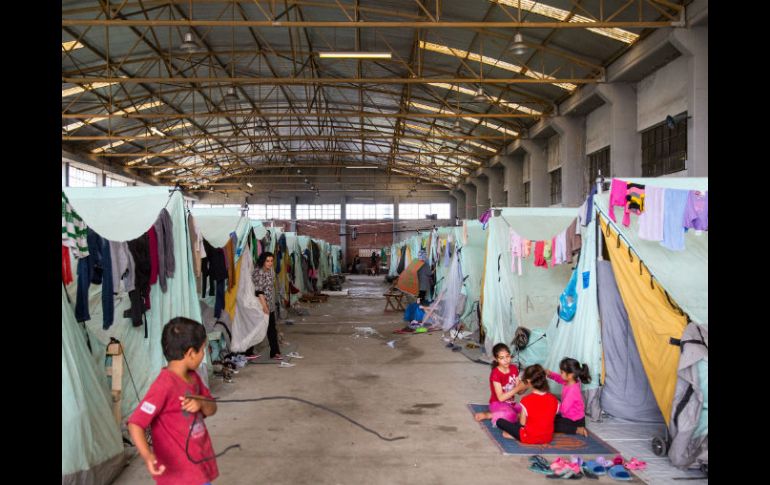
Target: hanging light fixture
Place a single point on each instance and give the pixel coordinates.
(457, 124)
(518, 47)
(480, 97)
(231, 96)
(189, 45)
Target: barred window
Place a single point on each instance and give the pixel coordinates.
(599, 161)
(664, 147)
(526, 194)
(556, 186)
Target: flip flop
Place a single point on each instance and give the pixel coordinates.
(604, 462)
(537, 468)
(619, 473)
(595, 468)
(589, 474)
(635, 464)
(540, 460)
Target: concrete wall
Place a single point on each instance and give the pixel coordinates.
(662, 93)
(554, 158)
(597, 132)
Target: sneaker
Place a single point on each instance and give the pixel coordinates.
(286, 364)
(277, 357)
(294, 355)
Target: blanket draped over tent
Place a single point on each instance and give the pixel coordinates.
(408, 281)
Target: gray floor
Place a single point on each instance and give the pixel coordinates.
(417, 388)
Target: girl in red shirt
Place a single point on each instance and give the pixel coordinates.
(538, 410)
(503, 384)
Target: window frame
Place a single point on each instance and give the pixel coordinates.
(664, 149)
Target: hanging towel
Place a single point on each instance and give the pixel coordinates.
(651, 220)
(539, 254)
(634, 202)
(569, 234)
(515, 251)
(618, 190)
(526, 247)
(561, 247)
(674, 203)
(553, 252)
(547, 250)
(66, 267)
(696, 212)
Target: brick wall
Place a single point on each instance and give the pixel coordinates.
(371, 234)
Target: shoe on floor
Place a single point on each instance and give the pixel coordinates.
(294, 355)
(277, 357)
(287, 364)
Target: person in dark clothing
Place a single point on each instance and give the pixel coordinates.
(214, 272)
(264, 287)
(373, 263)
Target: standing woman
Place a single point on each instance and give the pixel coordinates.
(264, 286)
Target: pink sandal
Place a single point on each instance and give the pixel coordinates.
(635, 464)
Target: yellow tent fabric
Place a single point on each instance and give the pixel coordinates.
(408, 255)
(653, 320)
(231, 294)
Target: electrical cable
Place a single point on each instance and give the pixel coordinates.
(271, 398)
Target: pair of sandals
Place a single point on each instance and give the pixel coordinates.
(575, 470)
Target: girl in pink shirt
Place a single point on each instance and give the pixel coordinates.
(504, 384)
(572, 413)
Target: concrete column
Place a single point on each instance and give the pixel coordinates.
(572, 144)
(343, 230)
(514, 184)
(396, 216)
(694, 42)
(471, 211)
(459, 195)
(625, 140)
(539, 184)
(293, 222)
(482, 193)
(496, 178)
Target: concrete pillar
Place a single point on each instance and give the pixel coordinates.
(539, 184)
(694, 43)
(343, 230)
(514, 184)
(572, 144)
(625, 140)
(293, 222)
(459, 195)
(470, 201)
(482, 193)
(496, 178)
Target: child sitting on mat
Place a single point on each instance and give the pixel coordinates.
(538, 410)
(504, 384)
(572, 413)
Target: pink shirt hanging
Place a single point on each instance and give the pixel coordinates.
(617, 196)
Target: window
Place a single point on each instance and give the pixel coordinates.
(526, 194)
(664, 148)
(318, 211)
(82, 178)
(420, 211)
(263, 212)
(599, 161)
(369, 211)
(111, 182)
(407, 211)
(367, 253)
(556, 186)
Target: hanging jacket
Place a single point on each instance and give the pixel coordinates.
(140, 295)
(164, 230)
(213, 266)
(122, 267)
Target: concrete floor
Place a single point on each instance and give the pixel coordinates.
(417, 389)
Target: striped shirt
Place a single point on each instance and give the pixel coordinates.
(73, 229)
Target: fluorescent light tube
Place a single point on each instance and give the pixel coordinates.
(354, 55)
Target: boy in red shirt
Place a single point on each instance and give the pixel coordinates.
(182, 451)
(538, 410)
